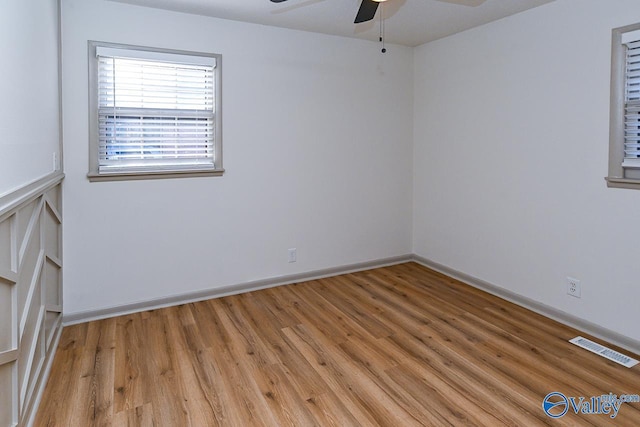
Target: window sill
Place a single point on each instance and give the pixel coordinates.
(129, 176)
(613, 182)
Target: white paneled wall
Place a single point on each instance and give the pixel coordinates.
(30, 294)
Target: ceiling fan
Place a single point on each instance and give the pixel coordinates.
(368, 8)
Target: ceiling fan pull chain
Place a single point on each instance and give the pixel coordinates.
(384, 49)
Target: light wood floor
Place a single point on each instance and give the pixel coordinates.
(395, 346)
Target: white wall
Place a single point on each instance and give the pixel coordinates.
(511, 146)
(317, 148)
(29, 118)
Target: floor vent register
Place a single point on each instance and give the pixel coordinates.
(604, 352)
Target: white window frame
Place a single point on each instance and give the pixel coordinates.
(622, 173)
(98, 173)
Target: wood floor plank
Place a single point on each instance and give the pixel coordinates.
(163, 387)
(128, 393)
(330, 411)
(332, 322)
(311, 345)
(98, 367)
(140, 416)
(301, 376)
(64, 371)
(190, 382)
(395, 346)
(366, 318)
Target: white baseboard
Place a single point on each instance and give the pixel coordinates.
(597, 331)
(585, 326)
(85, 316)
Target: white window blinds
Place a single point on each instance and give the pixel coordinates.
(632, 102)
(155, 111)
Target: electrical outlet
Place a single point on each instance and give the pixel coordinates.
(293, 255)
(573, 287)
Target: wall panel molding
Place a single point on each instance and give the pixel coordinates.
(30, 294)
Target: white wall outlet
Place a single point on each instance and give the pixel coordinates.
(293, 255)
(56, 163)
(573, 287)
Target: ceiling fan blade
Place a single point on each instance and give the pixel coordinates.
(367, 11)
(277, 1)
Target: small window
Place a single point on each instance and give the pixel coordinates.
(154, 113)
(624, 134)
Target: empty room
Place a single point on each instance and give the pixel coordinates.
(319, 213)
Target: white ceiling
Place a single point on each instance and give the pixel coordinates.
(408, 22)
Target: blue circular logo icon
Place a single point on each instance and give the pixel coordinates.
(555, 404)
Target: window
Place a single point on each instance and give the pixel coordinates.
(154, 113)
(624, 134)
